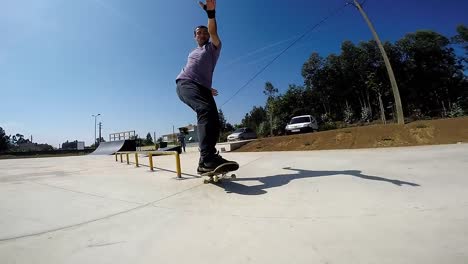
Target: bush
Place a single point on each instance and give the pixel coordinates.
(456, 111)
(326, 117)
(264, 129)
(366, 114)
(348, 115)
(223, 136)
(330, 125)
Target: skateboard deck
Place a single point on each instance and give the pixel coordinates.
(221, 172)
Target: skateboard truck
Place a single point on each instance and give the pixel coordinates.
(221, 172)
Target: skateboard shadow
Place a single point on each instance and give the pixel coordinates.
(268, 182)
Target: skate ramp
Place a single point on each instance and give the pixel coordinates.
(109, 148)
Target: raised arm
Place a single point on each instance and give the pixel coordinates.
(210, 8)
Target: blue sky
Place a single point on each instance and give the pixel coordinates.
(62, 61)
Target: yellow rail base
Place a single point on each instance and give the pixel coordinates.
(151, 154)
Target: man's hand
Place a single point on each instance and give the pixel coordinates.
(210, 5)
(214, 92)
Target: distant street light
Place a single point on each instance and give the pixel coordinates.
(95, 116)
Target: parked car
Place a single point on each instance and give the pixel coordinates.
(301, 124)
(242, 134)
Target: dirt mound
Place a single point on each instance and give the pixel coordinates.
(427, 132)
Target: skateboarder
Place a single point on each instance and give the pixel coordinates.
(181, 139)
(194, 89)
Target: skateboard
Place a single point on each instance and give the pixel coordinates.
(220, 173)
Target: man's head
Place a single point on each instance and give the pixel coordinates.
(201, 34)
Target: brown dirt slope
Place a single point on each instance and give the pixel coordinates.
(427, 132)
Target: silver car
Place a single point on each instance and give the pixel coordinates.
(242, 134)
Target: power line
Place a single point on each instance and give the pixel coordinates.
(335, 12)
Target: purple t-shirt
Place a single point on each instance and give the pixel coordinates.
(200, 65)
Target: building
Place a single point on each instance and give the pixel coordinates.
(192, 135)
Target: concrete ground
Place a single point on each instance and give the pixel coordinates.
(394, 205)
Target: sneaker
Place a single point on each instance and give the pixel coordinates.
(214, 162)
(202, 169)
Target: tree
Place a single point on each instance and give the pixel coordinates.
(222, 121)
(462, 37)
(434, 78)
(17, 143)
(229, 127)
(149, 140)
(270, 91)
(253, 119)
(376, 86)
(431, 82)
(4, 140)
(17, 139)
(310, 69)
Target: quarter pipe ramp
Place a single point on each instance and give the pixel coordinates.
(111, 147)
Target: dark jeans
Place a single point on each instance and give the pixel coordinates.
(183, 146)
(201, 100)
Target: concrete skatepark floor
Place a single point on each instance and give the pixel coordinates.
(391, 205)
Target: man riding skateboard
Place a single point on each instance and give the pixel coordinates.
(194, 89)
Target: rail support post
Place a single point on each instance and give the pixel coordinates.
(136, 159)
(150, 156)
(177, 158)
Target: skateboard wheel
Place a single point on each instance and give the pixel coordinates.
(205, 181)
(215, 178)
(233, 176)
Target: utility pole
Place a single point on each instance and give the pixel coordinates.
(396, 92)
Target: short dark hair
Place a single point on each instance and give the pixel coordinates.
(197, 28)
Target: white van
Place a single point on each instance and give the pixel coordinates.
(300, 124)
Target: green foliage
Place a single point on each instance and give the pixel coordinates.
(456, 110)
(263, 129)
(355, 85)
(223, 136)
(328, 126)
(270, 90)
(366, 115)
(229, 127)
(348, 115)
(149, 140)
(4, 140)
(253, 119)
(222, 120)
(462, 37)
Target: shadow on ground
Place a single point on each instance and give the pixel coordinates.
(233, 186)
